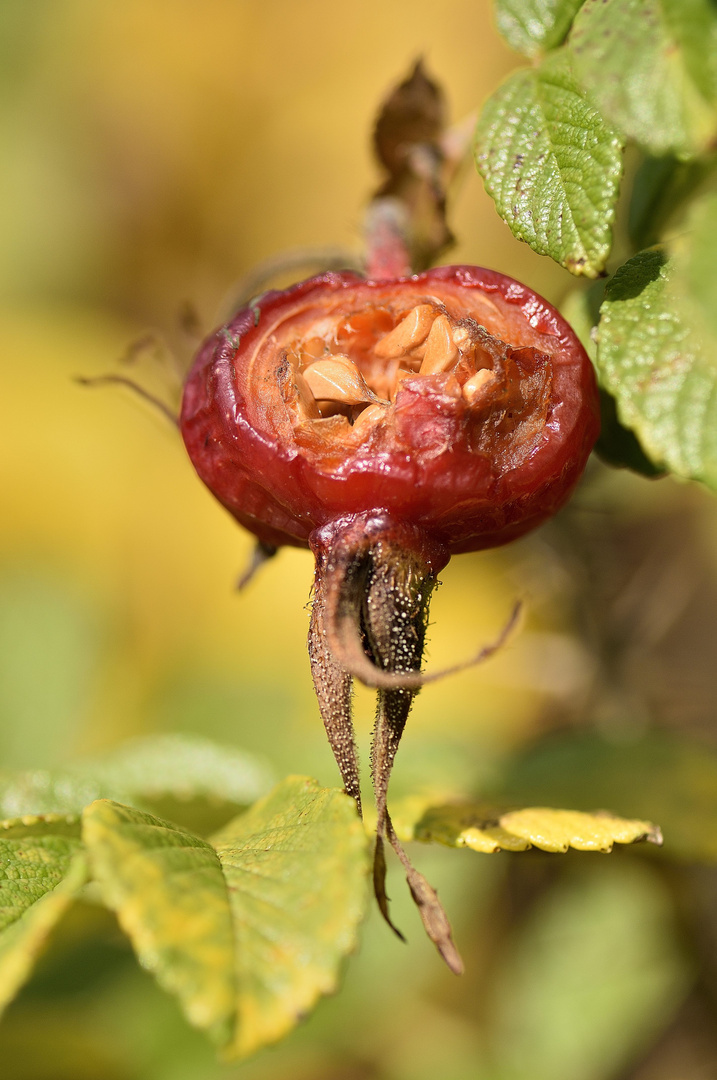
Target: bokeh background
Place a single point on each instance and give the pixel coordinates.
(153, 152)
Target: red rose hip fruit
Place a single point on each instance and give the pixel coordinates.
(389, 424)
(457, 401)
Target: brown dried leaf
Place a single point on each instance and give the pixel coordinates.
(412, 114)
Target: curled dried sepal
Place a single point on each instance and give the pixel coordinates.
(433, 915)
(343, 623)
(261, 553)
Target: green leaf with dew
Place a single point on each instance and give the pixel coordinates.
(650, 66)
(534, 26)
(616, 445)
(552, 165)
(657, 356)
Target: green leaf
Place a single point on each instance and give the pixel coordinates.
(250, 930)
(590, 978)
(696, 258)
(534, 26)
(659, 367)
(43, 792)
(616, 445)
(488, 830)
(650, 66)
(661, 778)
(296, 866)
(552, 165)
(35, 855)
(41, 870)
(182, 766)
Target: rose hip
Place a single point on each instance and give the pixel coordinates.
(483, 407)
(387, 425)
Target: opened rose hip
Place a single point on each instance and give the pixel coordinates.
(456, 401)
(388, 424)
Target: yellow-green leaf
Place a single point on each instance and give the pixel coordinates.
(168, 890)
(248, 930)
(487, 830)
(41, 870)
(296, 865)
(557, 830)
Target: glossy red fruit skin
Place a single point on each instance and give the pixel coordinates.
(238, 435)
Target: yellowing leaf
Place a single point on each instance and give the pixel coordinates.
(169, 893)
(557, 830)
(296, 865)
(668, 779)
(489, 831)
(247, 931)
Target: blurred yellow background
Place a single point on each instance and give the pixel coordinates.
(153, 151)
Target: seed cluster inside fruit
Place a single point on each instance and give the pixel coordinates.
(344, 379)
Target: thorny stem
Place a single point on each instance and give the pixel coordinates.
(333, 689)
(384, 585)
(395, 617)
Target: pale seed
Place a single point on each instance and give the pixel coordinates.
(478, 385)
(441, 350)
(461, 337)
(333, 426)
(411, 331)
(306, 405)
(399, 377)
(368, 417)
(338, 379)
